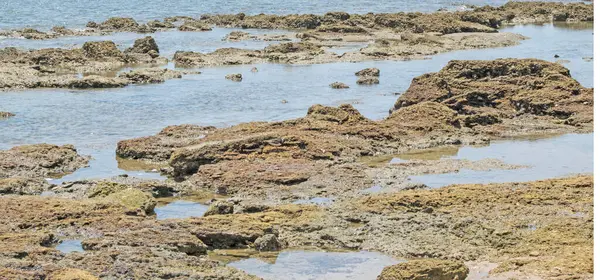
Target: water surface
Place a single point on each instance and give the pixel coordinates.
(180, 209)
(546, 158)
(318, 265)
(68, 246)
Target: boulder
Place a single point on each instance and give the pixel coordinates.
(367, 80)
(234, 77)
(120, 24)
(101, 49)
(144, 45)
(192, 25)
(370, 72)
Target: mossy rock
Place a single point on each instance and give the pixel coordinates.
(104, 189)
(425, 269)
(135, 201)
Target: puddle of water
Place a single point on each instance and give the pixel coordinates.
(321, 201)
(547, 158)
(68, 246)
(208, 99)
(180, 209)
(373, 189)
(318, 265)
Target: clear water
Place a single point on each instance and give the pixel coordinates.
(68, 246)
(95, 120)
(180, 209)
(318, 265)
(546, 158)
(76, 13)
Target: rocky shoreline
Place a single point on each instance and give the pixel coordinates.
(254, 178)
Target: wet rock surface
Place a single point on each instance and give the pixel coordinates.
(6, 115)
(40, 160)
(338, 85)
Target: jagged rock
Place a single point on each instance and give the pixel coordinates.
(34, 161)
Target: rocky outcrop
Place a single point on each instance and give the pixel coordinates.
(101, 50)
(192, 25)
(485, 92)
(425, 269)
(23, 186)
(119, 24)
(150, 75)
(161, 146)
(40, 160)
(146, 45)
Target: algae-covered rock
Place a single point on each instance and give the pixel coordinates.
(23, 186)
(30, 161)
(372, 72)
(367, 80)
(134, 200)
(101, 49)
(119, 24)
(71, 274)
(145, 45)
(425, 269)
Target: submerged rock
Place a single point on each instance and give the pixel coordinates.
(425, 269)
(338, 85)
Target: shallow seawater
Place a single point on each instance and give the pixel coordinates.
(95, 120)
(180, 209)
(46, 13)
(318, 265)
(546, 158)
(168, 41)
(321, 201)
(68, 246)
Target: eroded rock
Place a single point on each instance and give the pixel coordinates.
(425, 269)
